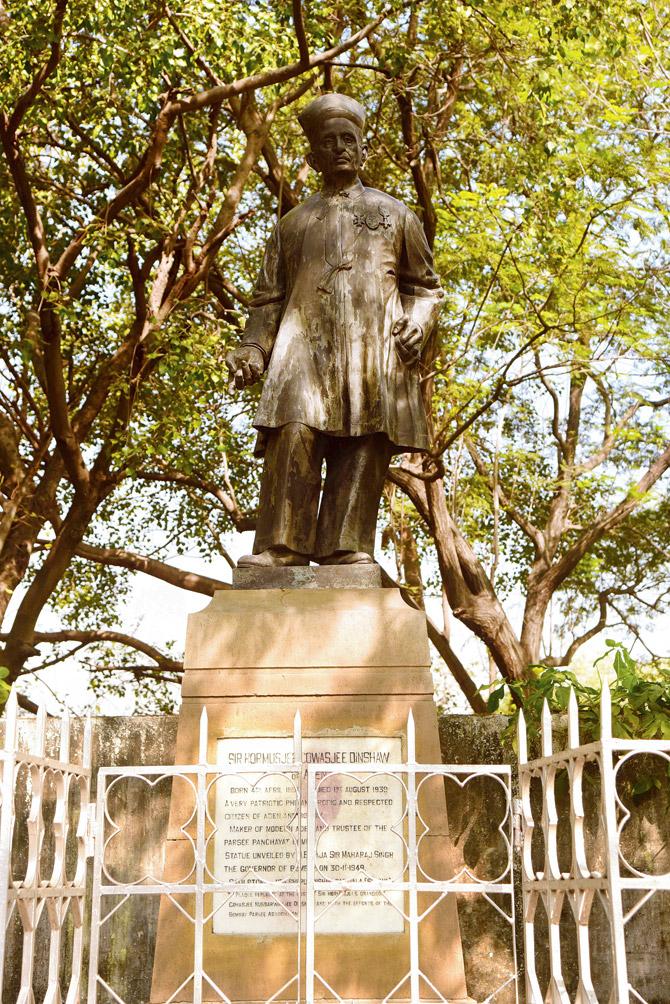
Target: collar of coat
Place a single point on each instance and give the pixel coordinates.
(352, 192)
(349, 195)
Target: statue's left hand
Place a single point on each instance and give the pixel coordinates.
(408, 338)
(246, 365)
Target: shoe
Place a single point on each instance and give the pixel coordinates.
(273, 557)
(348, 558)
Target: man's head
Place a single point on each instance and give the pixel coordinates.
(334, 124)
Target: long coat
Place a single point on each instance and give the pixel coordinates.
(338, 271)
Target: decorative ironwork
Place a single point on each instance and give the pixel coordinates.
(207, 892)
(51, 881)
(412, 878)
(581, 883)
(57, 885)
(303, 881)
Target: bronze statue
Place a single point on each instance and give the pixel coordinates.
(345, 300)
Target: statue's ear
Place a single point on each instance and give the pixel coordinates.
(311, 160)
(364, 153)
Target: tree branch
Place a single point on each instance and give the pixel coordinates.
(609, 441)
(524, 524)
(443, 441)
(468, 589)
(8, 128)
(277, 75)
(94, 637)
(151, 566)
(20, 490)
(407, 122)
(63, 432)
(40, 78)
(545, 578)
(443, 647)
(20, 641)
(576, 644)
(608, 521)
(415, 490)
(299, 25)
(242, 521)
(17, 169)
(633, 630)
(202, 63)
(556, 412)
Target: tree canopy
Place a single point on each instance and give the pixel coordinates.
(147, 150)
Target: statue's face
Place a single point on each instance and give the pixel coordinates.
(337, 150)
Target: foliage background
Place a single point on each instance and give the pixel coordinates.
(531, 138)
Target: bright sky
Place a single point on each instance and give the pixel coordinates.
(157, 612)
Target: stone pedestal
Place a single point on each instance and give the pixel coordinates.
(353, 659)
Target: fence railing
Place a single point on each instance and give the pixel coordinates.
(206, 891)
(50, 875)
(572, 857)
(310, 806)
(566, 865)
(410, 885)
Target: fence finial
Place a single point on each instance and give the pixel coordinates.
(40, 731)
(11, 713)
(87, 744)
(545, 729)
(297, 737)
(573, 720)
(605, 711)
(522, 737)
(204, 730)
(411, 738)
(64, 754)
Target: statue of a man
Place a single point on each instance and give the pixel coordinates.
(345, 300)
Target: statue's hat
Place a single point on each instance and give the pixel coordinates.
(330, 106)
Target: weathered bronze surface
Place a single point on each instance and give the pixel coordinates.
(345, 300)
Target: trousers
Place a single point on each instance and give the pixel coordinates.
(346, 518)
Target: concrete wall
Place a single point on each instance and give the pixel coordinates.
(474, 812)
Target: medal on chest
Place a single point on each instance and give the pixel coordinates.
(373, 219)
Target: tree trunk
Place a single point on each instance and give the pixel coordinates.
(538, 598)
(411, 564)
(469, 591)
(28, 521)
(20, 642)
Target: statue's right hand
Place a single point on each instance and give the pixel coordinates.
(246, 365)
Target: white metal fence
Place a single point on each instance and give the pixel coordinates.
(410, 879)
(46, 884)
(568, 862)
(575, 869)
(205, 891)
(301, 887)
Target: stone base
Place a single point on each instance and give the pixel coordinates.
(309, 577)
(353, 661)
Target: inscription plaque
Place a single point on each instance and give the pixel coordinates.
(359, 835)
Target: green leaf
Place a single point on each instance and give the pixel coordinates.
(494, 698)
(643, 784)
